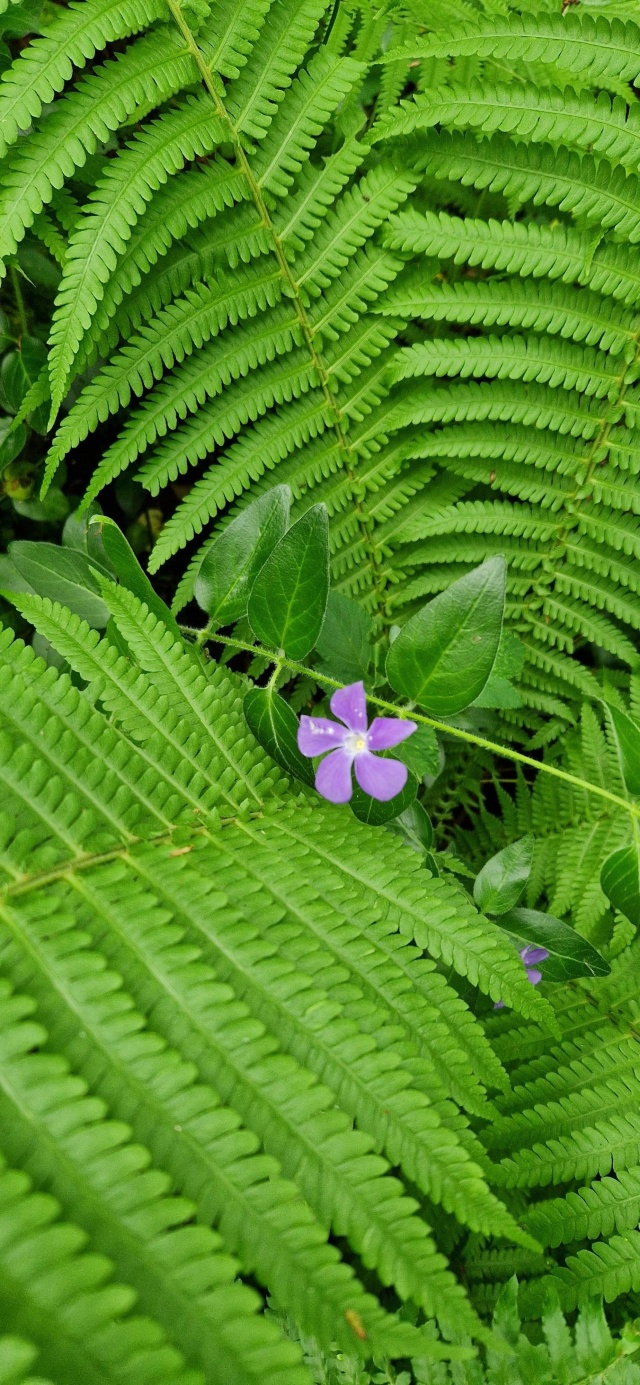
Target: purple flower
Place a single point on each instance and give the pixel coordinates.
(530, 956)
(352, 744)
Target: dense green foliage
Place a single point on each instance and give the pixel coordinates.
(322, 320)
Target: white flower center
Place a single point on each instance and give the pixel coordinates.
(355, 743)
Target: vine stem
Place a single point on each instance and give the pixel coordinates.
(469, 736)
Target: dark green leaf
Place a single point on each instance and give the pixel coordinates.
(444, 655)
(498, 692)
(13, 441)
(421, 752)
(127, 568)
(620, 880)
(19, 370)
(233, 561)
(53, 508)
(289, 596)
(502, 879)
(627, 739)
(63, 575)
(11, 580)
(374, 812)
(414, 826)
(343, 643)
(275, 726)
(569, 954)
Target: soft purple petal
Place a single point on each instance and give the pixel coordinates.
(532, 955)
(499, 1005)
(350, 704)
(385, 732)
(533, 975)
(333, 777)
(382, 779)
(317, 734)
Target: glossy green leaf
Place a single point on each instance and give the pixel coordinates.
(275, 726)
(128, 570)
(51, 510)
(421, 752)
(627, 738)
(620, 880)
(289, 597)
(343, 643)
(63, 575)
(414, 826)
(234, 558)
(19, 370)
(11, 580)
(570, 955)
(444, 655)
(12, 441)
(502, 879)
(375, 813)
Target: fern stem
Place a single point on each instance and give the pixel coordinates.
(471, 739)
(293, 290)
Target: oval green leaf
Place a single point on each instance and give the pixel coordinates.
(627, 738)
(569, 954)
(375, 813)
(620, 880)
(63, 575)
(129, 572)
(289, 596)
(275, 727)
(234, 558)
(343, 643)
(414, 826)
(421, 752)
(500, 883)
(444, 655)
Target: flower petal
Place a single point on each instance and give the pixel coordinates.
(531, 954)
(333, 777)
(317, 734)
(382, 779)
(385, 732)
(350, 704)
(533, 975)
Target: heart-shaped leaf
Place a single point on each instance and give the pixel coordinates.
(444, 655)
(620, 880)
(234, 558)
(275, 727)
(502, 879)
(569, 954)
(289, 596)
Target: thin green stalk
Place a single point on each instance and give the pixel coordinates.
(469, 736)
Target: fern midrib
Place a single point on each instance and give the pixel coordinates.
(582, 491)
(293, 292)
